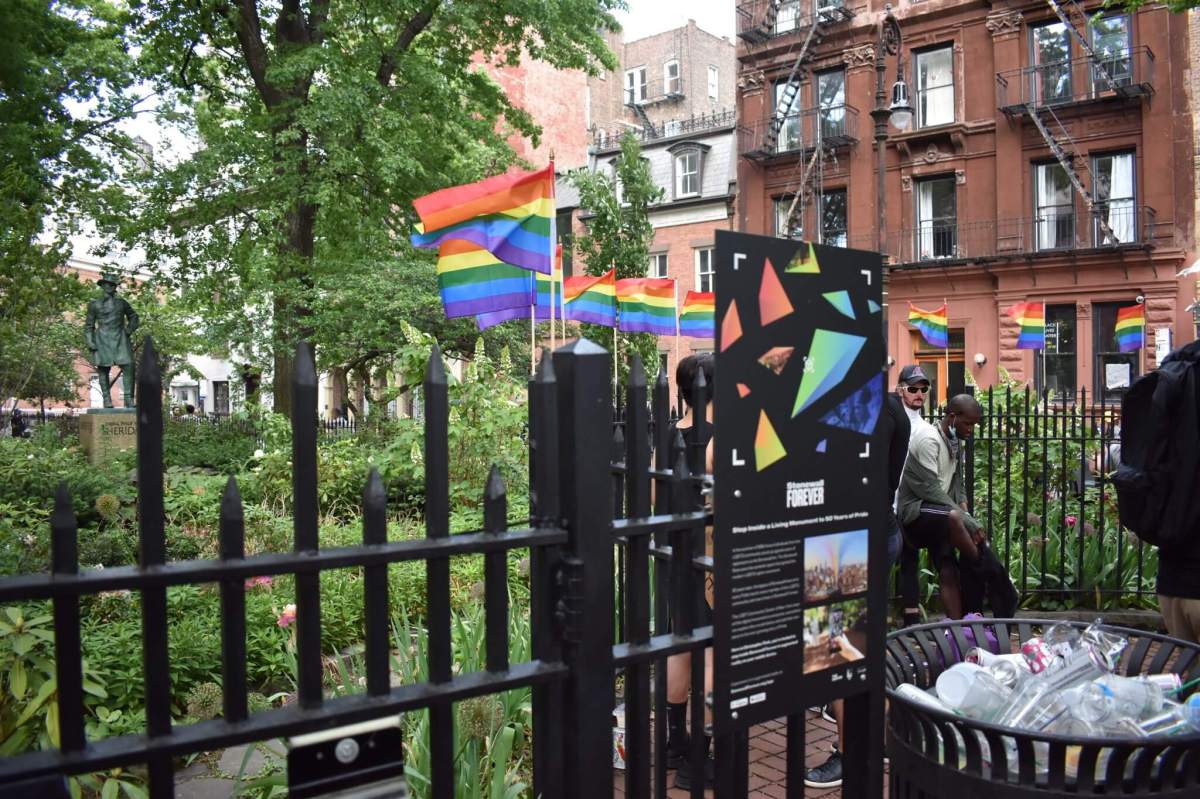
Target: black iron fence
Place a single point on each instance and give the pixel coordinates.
(1039, 475)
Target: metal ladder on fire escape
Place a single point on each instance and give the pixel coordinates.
(1058, 139)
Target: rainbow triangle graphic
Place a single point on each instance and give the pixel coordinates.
(804, 262)
(874, 306)
(743, 390)
(822, 444)
(731, 326)
(841, 301)
(773, 302)
(767, 447)
(829, 359)
(776, 358)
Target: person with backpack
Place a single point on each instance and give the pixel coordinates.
(1158, 481)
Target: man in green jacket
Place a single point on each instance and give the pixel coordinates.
(933, 507)
(106, 331)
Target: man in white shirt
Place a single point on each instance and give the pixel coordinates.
(912, 387)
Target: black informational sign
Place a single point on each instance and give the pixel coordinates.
(801, 491)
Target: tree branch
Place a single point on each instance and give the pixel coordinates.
(249, 34)
(387, 64)
(316, 20)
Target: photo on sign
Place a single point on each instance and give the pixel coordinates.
(835, 565)
(835, 635)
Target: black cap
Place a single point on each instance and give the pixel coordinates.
(913, 373)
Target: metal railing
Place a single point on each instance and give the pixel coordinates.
(610, 138)
(1079, 80)
(657, 91)
(835, 126)
(760, 20)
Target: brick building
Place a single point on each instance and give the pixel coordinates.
(676, 91)
(1055, 164)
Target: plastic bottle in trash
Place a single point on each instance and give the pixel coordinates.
(922, 698)
(1108, 645)
(1181, 719)
(1009, 673)
(1168, 682)
(1061, 639)
(971, 691)
(1131, 697)
(1084, 665)
(1033, 707)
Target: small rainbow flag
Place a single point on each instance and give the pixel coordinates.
(647, 305)
(511, 216)
(932, 325)
(473, 281)
(697, 315)
(1031, 316)
(1131, 328)
(591, 299)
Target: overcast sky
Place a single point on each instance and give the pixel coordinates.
(646, 17)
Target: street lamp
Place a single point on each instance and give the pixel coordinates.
(899, 113)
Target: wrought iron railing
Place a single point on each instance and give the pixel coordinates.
(834, 126)
(610, 138)
(1128, 73)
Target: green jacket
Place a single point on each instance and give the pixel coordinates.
(921, 484)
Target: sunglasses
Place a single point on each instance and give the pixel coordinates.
(917, 389)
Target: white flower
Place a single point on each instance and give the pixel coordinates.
(258, 453)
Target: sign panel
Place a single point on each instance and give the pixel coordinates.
(800, 485)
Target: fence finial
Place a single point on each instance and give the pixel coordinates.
(435, 373)
(149, 378)
(637, 373)
(231, 500)
(374, 497)
(495, 488)
(304, 370)
(545, 369)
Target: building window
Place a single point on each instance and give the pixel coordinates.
(1115, 194)
(787, 114)
(787, 16)
(833, 218)
(831, 103)
(1054, 217)
(1050, 53)
(1111, 44)
(705, 270)
(635, 86)
(687, 173)
(562, 227)
(1056, 365)
(671, 81)
(1115, 370)
(714, 83)
(221, 397)
(937, 218)
(658, 265)
(788, 221)
(935, 87)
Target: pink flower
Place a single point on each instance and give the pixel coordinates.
(287, 617)
(1071, 521)
(256, 582)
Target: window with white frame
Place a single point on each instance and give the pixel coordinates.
(1111, 44)
(788, 224)
(937, 218)
(635, 85)
(714, 83)
(658, 265)
(1115, 195)
(1054, 205)
(687, 173)
(705, 269)
(935, 87)
(671, 80)
(787, 16)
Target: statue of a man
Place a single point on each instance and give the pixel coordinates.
(110, 322)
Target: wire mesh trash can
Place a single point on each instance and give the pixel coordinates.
(935, 753)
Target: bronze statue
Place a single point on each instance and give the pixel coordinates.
(110, 322)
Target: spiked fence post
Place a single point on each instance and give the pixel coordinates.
(68, 651)
(495, 576)
(375, 588)
(304, 521)
(232, 532)
(637, 583)
(152, 550)
(437, 571)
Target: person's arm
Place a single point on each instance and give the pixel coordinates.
(920, 473)
(133, 318)
(89, 325)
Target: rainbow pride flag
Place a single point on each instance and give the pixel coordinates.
(591, 299)
(932, 325)
(542, 308)
(1131, 328)
(647, 305)
(1031, 316)
(511, 216)
(473, 281)
(696, 318)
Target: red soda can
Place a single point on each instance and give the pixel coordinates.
(1037, 655)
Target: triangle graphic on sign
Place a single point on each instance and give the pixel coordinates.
(767, 447)
(829, 359)
(773, 302)
(731, 326)
(859, 411)
(874, 306)
(841, 301)
(804, 262)
(743, 390)
(822, 444)
(776, 358)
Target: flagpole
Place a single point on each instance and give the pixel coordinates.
(616, 365)
(1045, 322)
(553, 343)
(946, 349)
(675, 291)
(532, 336)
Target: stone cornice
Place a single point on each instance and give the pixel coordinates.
(861, 56)
(1004, 23)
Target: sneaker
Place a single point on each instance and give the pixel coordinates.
(683, 774)
(824, 712)
(826, 775)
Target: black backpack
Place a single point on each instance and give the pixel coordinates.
(1158, 480)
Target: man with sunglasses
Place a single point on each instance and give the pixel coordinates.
(913, 388)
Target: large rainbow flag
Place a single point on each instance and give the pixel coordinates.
(647, 305)
(931, 324)
(591, 299)
(1131, 328)
(1031, 316)
(473, 281)
(696, 318)
(546, 299)
(511, 216)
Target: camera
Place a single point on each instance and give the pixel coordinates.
(1139, 299)
(358, 761)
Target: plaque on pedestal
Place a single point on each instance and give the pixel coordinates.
(103, 432)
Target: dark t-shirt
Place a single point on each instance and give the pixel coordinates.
(695, 456)
(895, 426)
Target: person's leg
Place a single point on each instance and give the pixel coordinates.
(105, 385)
(838, 709)
(951, 588)
(960, 538)
(127, 384)
(679, 673)
(1182, 617)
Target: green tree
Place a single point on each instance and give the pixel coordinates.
(319, 123)
(618, 233)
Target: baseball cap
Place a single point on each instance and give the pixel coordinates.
(913, 373)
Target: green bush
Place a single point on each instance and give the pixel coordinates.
(31, 470)
(224, 446)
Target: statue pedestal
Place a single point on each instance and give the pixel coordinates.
(106, 431)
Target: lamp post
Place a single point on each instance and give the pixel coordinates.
(899, 112)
